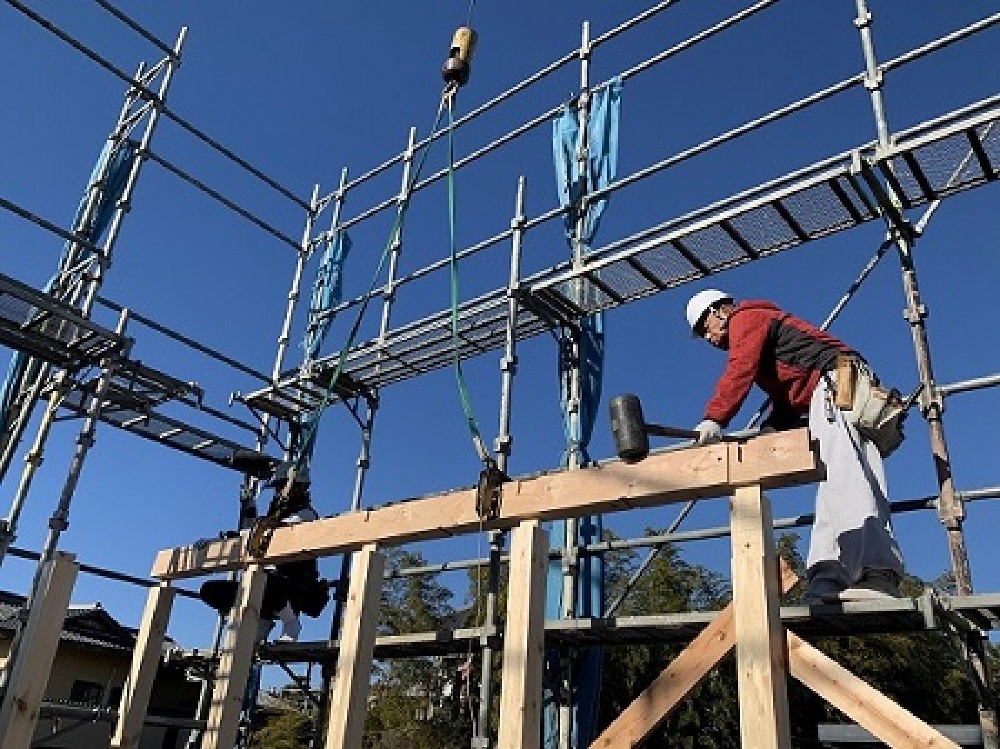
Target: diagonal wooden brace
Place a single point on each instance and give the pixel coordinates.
(687, 671)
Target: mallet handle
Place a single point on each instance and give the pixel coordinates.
(661, 431)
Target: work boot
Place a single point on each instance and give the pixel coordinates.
(874, 584)
(820, 590)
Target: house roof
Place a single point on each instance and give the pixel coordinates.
(87, 625)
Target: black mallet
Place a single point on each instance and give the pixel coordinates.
(632, 432)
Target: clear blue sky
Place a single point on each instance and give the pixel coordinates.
(303, 90)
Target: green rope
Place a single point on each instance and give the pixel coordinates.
(463, 390)
(394, 235)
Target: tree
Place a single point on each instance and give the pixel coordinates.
(708, 719)
(289, 729)
(412, 704)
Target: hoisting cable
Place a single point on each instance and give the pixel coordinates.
(463, 390)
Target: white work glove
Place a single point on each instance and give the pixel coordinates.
(708, 432)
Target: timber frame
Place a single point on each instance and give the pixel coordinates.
(751, 624)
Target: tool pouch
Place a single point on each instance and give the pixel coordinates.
(875, 411)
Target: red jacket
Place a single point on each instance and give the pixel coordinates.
(782, 354)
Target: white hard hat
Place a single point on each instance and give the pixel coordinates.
(701, 303)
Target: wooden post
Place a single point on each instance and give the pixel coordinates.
(760, 643)
(235, 661)
(349, 698)
(523, 640)
(145, 661)
(29, 673)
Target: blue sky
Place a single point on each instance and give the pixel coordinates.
(308, 89)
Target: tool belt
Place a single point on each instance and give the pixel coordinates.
(877, 412)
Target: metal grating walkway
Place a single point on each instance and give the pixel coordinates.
(409, 351)
(929, 162)
(134, 392)
(35, 323)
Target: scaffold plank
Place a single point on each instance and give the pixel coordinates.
(38, 324)
(898, 615)
(130, 405)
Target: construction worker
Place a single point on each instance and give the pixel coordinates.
(853, 554)
(298, 583)
(293, 587)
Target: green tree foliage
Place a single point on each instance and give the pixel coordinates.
(709, 719)
(286, 730)
(414, 703)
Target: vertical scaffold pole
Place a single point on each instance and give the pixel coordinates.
(951, 510)
(59, 520)
(950, 507)
(295, 290)
(571, 551)
(396, 241)
(77, 283)
(503, 446)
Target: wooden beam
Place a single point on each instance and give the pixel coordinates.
(349, 699)
(883, 718)
(235, 661)
(145, 662)
(760, 637)
(28, 673)
(523, 641)
(770, 461)
(685, 672)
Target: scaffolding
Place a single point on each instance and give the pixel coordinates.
(80, 369)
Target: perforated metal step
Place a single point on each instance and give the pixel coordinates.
(130, 402)
(35, 323)
(929, 162)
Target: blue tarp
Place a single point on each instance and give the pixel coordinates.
(584, 217)
(114, 163)
(327, 293)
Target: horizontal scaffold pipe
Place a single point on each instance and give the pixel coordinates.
(154, 97)
(215, 194)
(180, 338)
(90, 569)
(134, 25)
(770, 461)
(49, 226)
